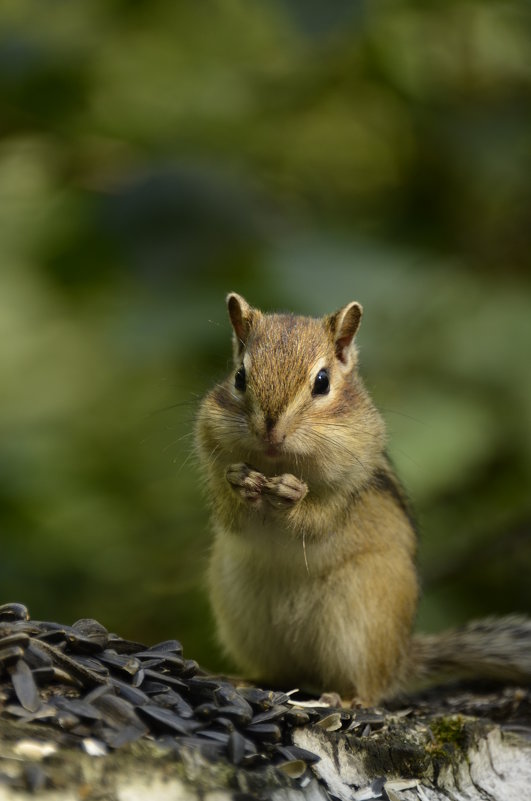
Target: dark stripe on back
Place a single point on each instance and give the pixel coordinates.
(385, 481)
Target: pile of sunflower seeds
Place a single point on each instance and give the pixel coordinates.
(105, 692)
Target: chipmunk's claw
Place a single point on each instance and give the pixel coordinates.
(246, 482)
(285, 490)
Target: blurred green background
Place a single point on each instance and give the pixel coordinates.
(153, 156)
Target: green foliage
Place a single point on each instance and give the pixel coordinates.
(154, 156)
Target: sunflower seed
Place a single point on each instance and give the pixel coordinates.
(296, 717)
(11, 655)
(77, 672)
(203, 686)
(118, 691)
(165, 679)
(261, 699)
(167, 646)
(180, 704)
(330, 722)
(97, 692)
(17, 638)
(131, 694)
(154, 687)
(207, 747)
(237, 713)
(166, 719)
(295, 768)
(10, 612)
(91, 630)
(151, 663)
(43, 713)
(212, 734)
(51, 633)
(254, 760)
(227, 696)
(289, 752)
(37, 657)
(190, 668)
(208, 710)
(138, 678)
(122, 646)
(92, 663)
(174, 664)
(77, 707)
(172, 700)
(236, 747)
(269, 732)
(24, 686)
(116, 711)
(224, 723)
(273, 713)
(123, 663)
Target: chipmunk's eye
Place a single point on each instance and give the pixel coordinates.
(322, 383)
(239, 379)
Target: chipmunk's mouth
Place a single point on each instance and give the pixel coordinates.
(272, 451)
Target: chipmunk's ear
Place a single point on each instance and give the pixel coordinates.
(343, 326)
(241, 318)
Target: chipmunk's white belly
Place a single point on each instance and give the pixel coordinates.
(274, 614)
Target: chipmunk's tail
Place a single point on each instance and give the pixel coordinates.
(496, 648)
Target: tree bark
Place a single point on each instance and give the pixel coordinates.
(431, 750)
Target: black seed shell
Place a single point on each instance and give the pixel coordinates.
(97, 686)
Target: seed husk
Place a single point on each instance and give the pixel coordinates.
(294, 768)
(297, 717)
(11, 655)
(37, 657)
(221, 737)
(290, 752)
(78, 707)
(20, 638)
(24, 685)
(98, 687)
(167, 646)
(122, 646)
(116, 711)
(121, 662)
(236, 747)
(156, 675)
(273, 713)
(14, 611)
(166, 719)
(269, 732)
(330, 722)
(258, 698)
(130, 693)
(91, 630)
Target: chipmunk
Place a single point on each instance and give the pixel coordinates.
(312, 574)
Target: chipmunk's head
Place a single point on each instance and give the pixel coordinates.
(294, 397)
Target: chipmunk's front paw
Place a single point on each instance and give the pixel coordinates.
(284, 491)
(246, 482)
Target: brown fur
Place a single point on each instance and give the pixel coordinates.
(312, 575)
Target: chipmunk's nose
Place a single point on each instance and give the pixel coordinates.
(273, 436)
(269, 424)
